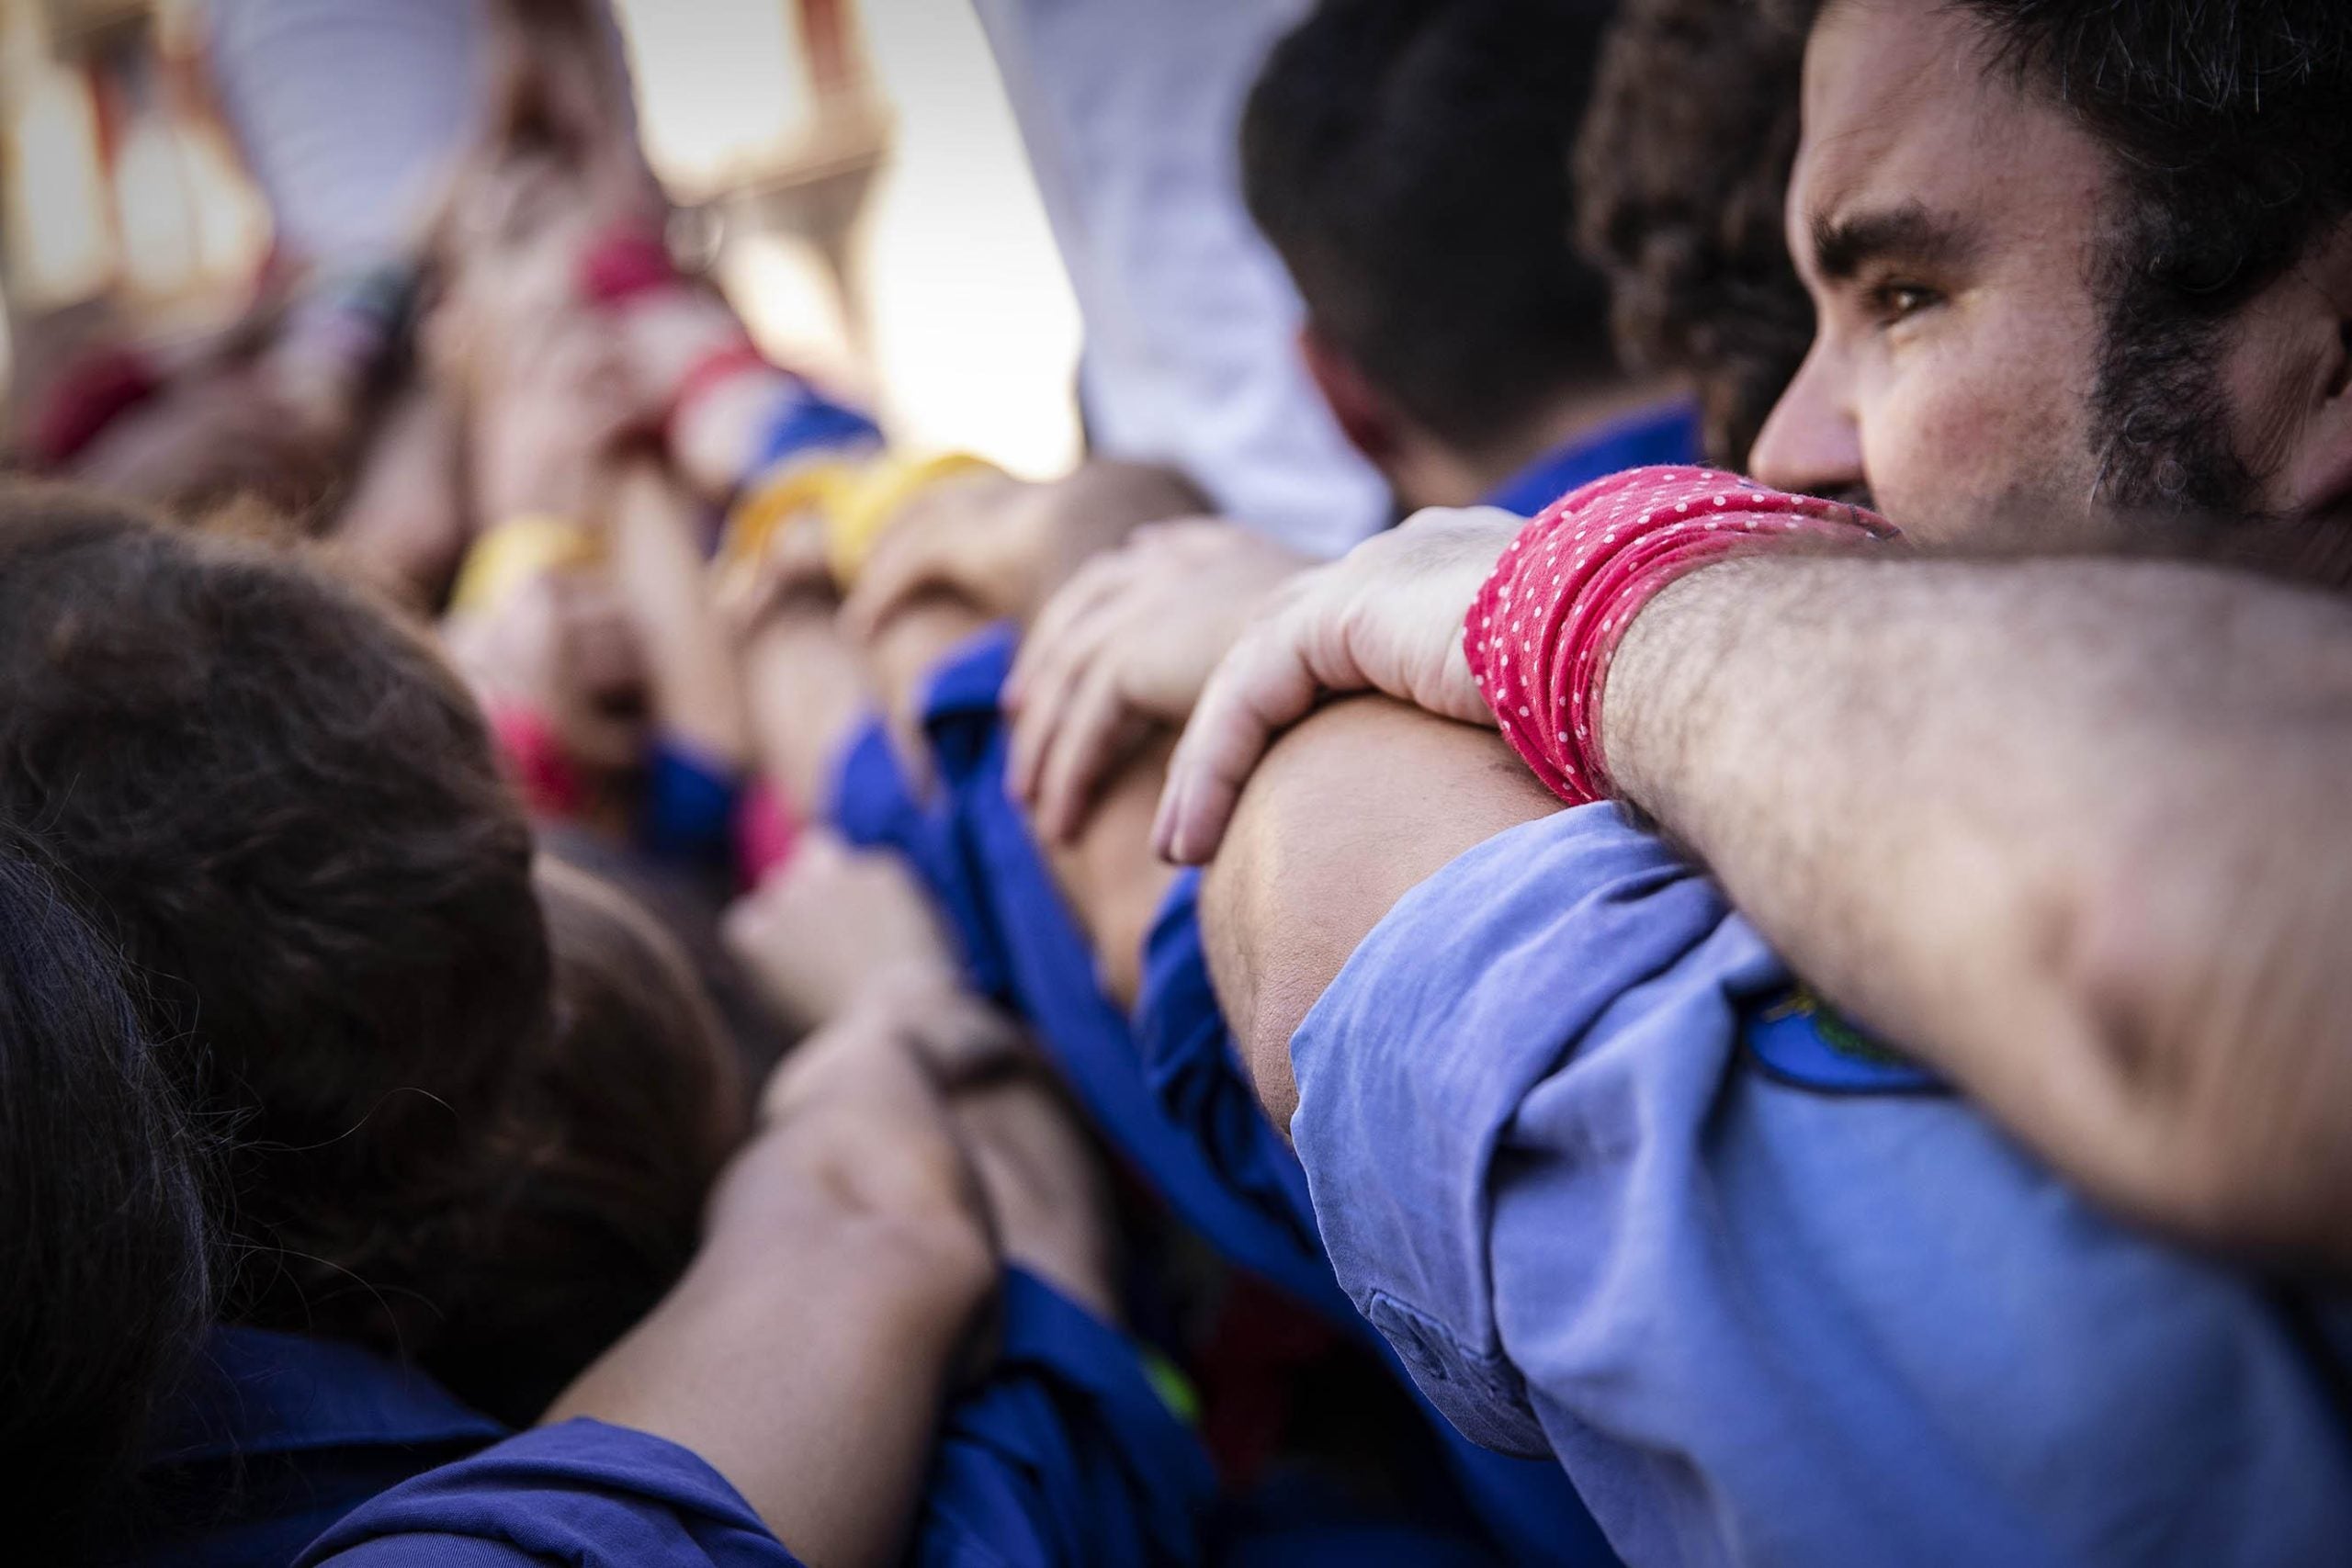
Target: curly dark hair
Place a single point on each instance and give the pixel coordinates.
(1682, 172)
(284, 809)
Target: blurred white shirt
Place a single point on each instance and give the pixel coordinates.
(1131, 111)
(350, 112)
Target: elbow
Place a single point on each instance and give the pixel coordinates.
(2219, 1072)
(1258, 1024)
(1265, 1057)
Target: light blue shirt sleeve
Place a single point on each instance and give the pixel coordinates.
(1760, 1320)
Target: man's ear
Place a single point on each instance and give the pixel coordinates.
(1365, 418)
(2319, 475)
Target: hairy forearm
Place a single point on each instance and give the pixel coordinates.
(1349, 812)
(2065, 830)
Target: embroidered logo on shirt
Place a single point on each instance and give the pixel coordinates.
(1802, 1040)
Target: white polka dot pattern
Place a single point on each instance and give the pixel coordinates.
(1627, 537)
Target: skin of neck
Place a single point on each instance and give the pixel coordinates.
(1426, 470)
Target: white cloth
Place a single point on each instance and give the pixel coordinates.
(1131, 111)
(351, 112)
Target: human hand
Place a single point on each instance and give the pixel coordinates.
(1004, 544)
(1127, 645)
(402, 526)
(791, 573)
(835, 926)
(562, 646)
(1047, 1190)
(545, 422)
(1048, 1201)
(1386, 617)
(654, 545)
(856, 1135)
(805, 686)
(215, 437)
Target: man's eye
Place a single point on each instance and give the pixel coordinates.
(1894, 302)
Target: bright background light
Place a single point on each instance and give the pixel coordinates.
(971, 333)
(959, 324)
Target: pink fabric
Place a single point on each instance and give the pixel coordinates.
(535, 760)
(1543, 631)
(90, 395)
(766, 833)
(626, 262)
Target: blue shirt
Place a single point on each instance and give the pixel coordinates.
(1765, 1313)
(580, 1492)
(1666, 434)
(1188, 1125)
(804, 422)
(1164, 1087)
(1064, 1455)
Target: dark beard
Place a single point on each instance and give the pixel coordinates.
(2169, 466)
(2160, 421)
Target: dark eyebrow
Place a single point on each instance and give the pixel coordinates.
(1843, 245)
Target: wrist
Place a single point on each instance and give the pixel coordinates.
(1651, 705)
(1544, 634)
(723, 380)
(914, 1271)
(883, 995)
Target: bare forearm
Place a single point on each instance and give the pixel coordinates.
(1350, 811)
(1109, 877)
(2064, 829)
(902, 656)
(811, 1378)
(804, 689)
(659, 569)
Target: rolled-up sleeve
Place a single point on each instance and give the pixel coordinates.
(1760, 1312)
(1418, 1057)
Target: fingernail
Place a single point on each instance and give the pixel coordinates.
(1163, 827)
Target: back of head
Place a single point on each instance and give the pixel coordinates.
(104, 1237)
(285, 811)
(1409, 161)
(1682, 171)
(617, 1123)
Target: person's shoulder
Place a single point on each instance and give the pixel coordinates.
(538, 1496)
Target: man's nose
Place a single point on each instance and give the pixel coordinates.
(1811, 445)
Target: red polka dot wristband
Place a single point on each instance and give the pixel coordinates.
(1544, 628)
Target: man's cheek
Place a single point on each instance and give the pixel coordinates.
(1916, 456)
(1954, 440)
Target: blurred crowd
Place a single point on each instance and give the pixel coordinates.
(607, 965)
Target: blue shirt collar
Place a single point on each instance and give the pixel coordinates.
(261, 1393)
(1666, 433)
